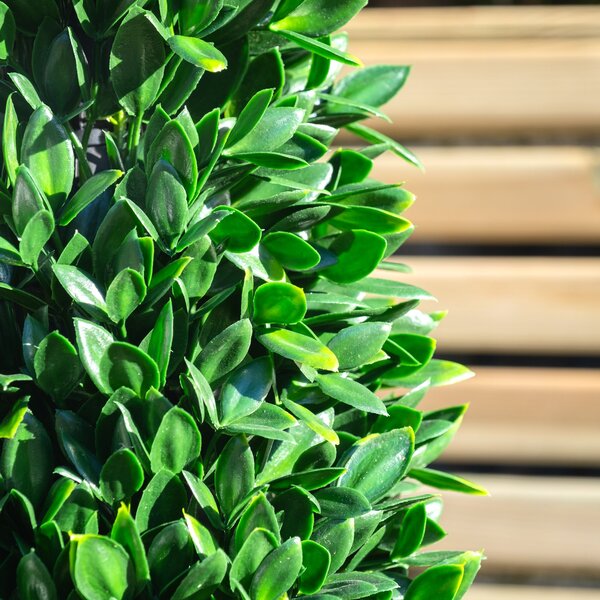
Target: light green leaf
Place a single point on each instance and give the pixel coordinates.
(198, 52)
(350, 392)
(125, 293)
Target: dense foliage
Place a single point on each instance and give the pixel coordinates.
(192, 336)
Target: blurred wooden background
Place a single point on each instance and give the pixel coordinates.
(503, 107)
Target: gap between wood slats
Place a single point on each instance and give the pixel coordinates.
(533, 525)
(515, 305)
(523, 416)
(485, 87)
(501, 194)
(515, 592)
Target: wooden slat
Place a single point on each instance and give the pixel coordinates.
(525, 416)
(480, 85)
(518, 592)
(519, 305)
(528, 524)
(502, 194)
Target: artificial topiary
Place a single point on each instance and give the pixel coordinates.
(191, 335)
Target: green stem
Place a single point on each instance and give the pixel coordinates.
(134, 138)
(85, 172)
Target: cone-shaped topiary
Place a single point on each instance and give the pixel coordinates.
(192, 337)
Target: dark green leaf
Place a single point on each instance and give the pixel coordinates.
(351, 392)
(162, 501)
(412, 531)
(34, 582)
(125, 293)
(258, 513)
(203, 577)
(342, 503)
(57, 366)
(316, 561)
(121, 476)
(250, 116)
(336, 537)
(255, 548)
(234, 474)
(123, 364)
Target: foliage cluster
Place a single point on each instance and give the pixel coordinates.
(192, 337)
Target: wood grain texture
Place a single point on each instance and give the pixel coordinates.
(525, 416)
(471, 83)
(519, 592)
(515, 305)
(528, 525)
(529, 195)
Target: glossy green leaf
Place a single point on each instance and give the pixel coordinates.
(438, 372)
(234, 473)
(101, 568)
(7, 34)
(258, 513)
(278, 571)
(92, 341)
(121, 476)
(87, 193)
(309, 480)
(312, 421)
(443, 581)
(319, 48)
(268, 421)
(161, 340)
(291, 250)
(375, 464)
(10, 422)
(36, 234)
(358, 254)
(371, 219)
(10, 149)
(237, 231)
(446, 481)
(34, 582)
(225, 352)
(342, 503)
(203, 577)
(300, 348)
(125, 365)
(350, 392)
(26, 89)
(162, 501)
(316, 561)
(412, 531)
(357, 344)
(245, 390)
(198, 52)
(125, 293)
(250, 116)
(205, 499)
(48, 154)
(177, 442)
(82, 288)
(57, 366)
(255, 548)
(137, 82)
(319, 17)
(336, 536)
(279, 303)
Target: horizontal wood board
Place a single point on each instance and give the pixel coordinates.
(525, 416)
(501, 195)
(514, 305)
(517, 592)
(481, 72)
(528, 525)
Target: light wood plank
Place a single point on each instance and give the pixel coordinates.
(479, 86)
(519, 592)
(502, 194)
(528, 524)
(515, 305)
(525, 416)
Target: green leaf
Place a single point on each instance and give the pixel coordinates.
(300, 348)
(10, 150)
(245, 390)
(34, 582)
(173, 145)
(13, 418)
(278, 571)
(161, 340)
(206, 501)
(291, 251)
(121, 476)
(267, 421)
(198, 52)
(125, 365)
(92, 341)
(316, 561)
(442, 581)
(37, 232)
(25, 299)
(375, 464)
(412, 531)
(82, 288)
(234, 474)
(371, 219)
(48, 154)
(279, 303)
(342, 503)
(319, 48)
(446, 481)
(258, 513)
(203, 393)
(7, 35)
(254, 550)
(250, 116)
(309, 480)
(87, 193)
(203, 578)
(225, 351)
(124, 531)
(312, 421)
(357, 344)
(137, 82)
(177, 442)
(358, 254)
(350, 392)
(237, 231)
(438, 372)
(319, 17)
(57, 366)
(101, 568)
(26, 89)
(336, 537)
(125, 293)
(26, 461)
(162, 501)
